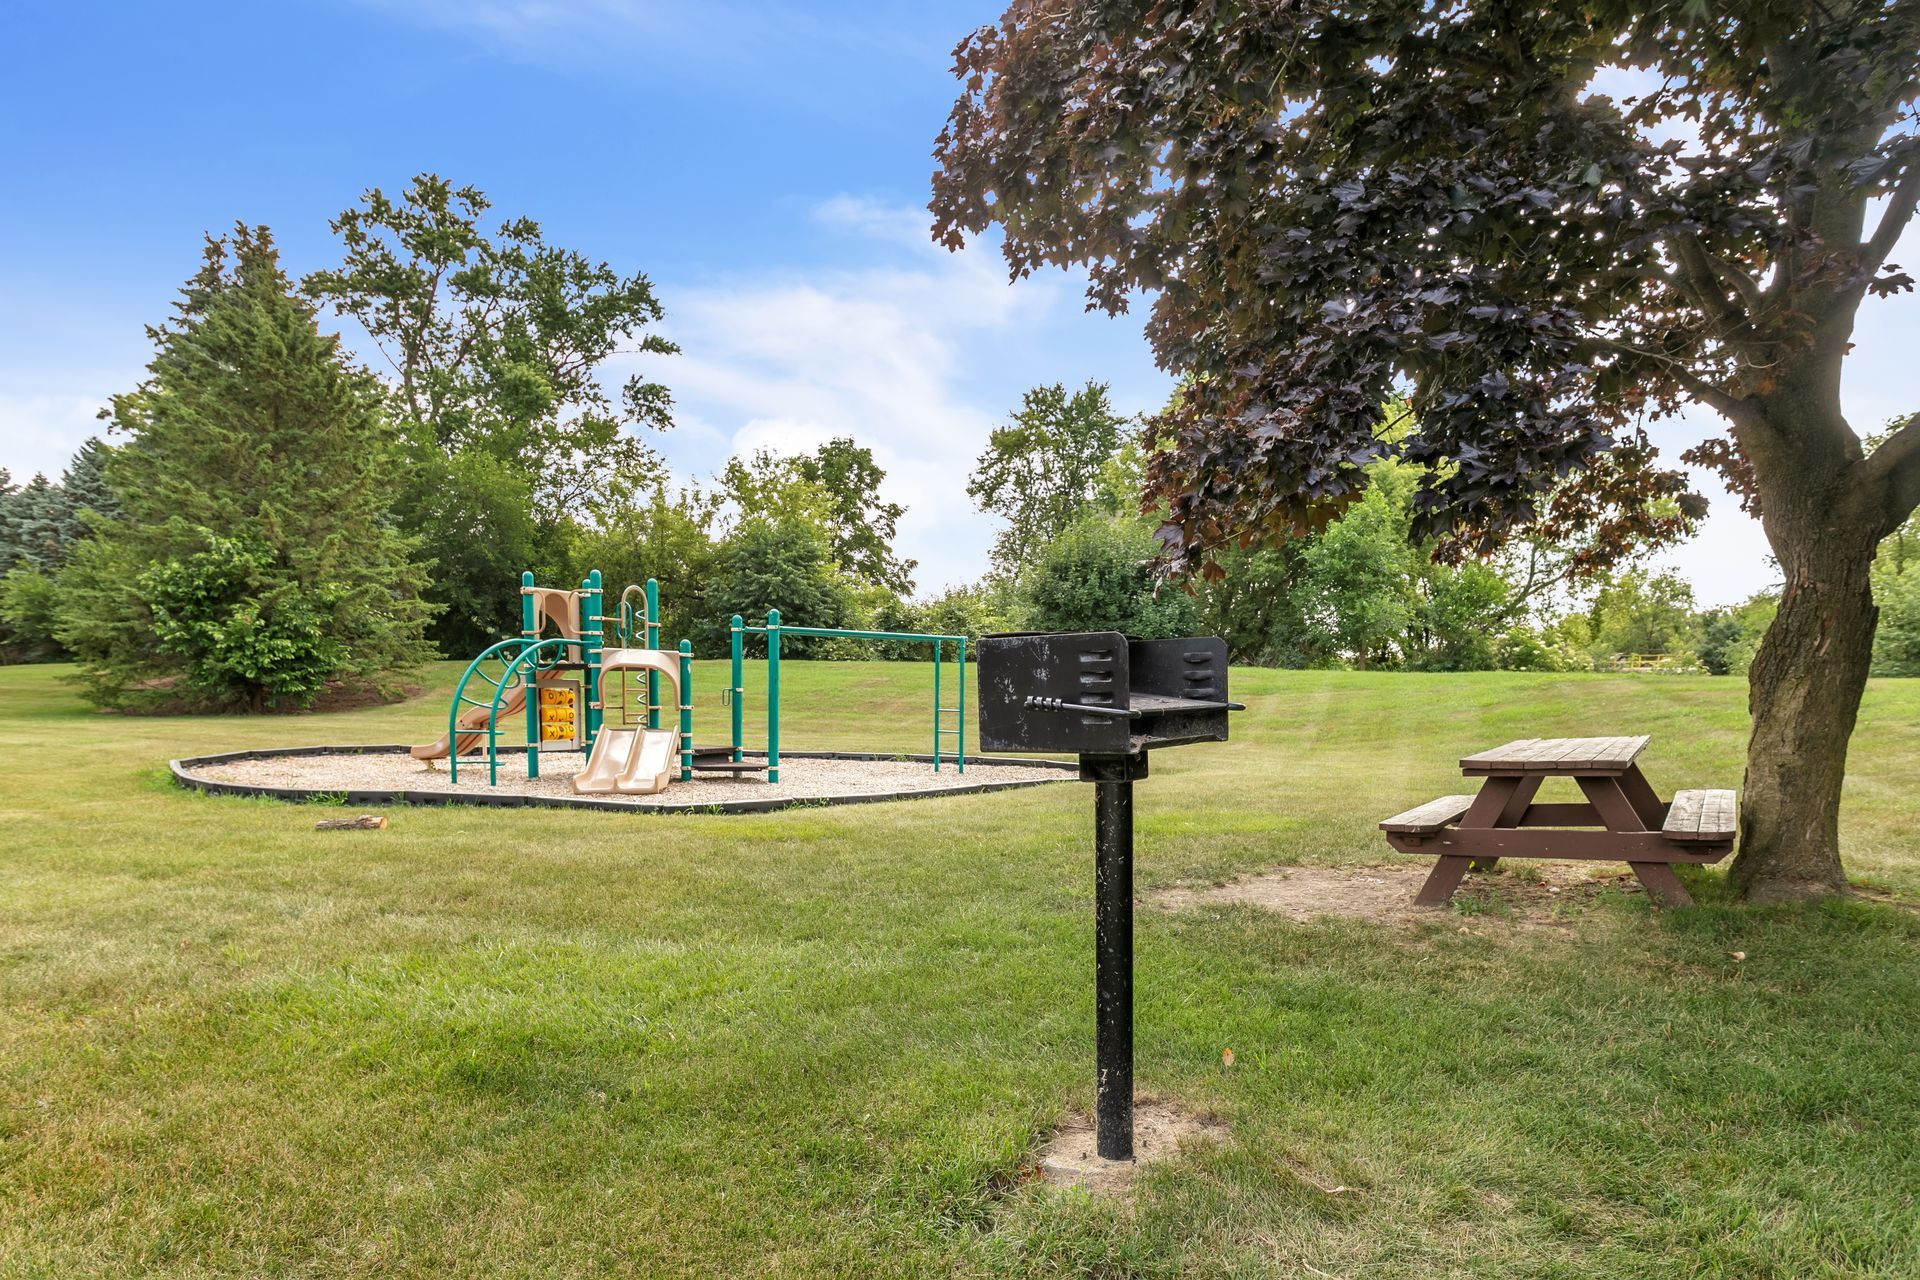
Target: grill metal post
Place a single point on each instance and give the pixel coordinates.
(1113, 966)
(1112, 701)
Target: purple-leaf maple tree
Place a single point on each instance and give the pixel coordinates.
(1543, 225)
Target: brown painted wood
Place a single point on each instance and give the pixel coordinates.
(1495, 795)
(1431, 816)
(1535, 842)
(1645, 801)
(1441, 881)
(1502, 821)
(1556, 755)
(1701, 815)
(1661, 884)
(1610, 802)
(1560, 815)
(1515, 809)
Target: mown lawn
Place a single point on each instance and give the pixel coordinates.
(823, 1042)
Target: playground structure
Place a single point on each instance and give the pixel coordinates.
(579, 686)
(584, 695)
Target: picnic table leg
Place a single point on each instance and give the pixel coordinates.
(1442, 880)
(1610, 802)
(1502, 802)
(1661, 884)
(1621, 804)
(1499, 797)
(1645, 800)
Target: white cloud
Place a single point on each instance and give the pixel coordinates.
(40, 431)
(906, 358)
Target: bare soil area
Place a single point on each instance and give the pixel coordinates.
(1160, 1130)
(1536, 894)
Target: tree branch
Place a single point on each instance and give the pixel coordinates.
(1730, 406)
(1698, 271)
(1744, 286)
(1896, 466)
(1893, 220)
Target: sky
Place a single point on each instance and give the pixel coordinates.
(765, 163)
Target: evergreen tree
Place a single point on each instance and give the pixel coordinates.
(36, 518)
(40, 528)
(252, 558)
(83, 488)
(8, 489)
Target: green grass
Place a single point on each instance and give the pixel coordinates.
(556, 1043)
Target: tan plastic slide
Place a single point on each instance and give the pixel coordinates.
(473, 727)
(634, 762)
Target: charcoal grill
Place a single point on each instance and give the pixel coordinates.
(1110, 700)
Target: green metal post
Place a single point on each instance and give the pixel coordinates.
(936, 705)
(960, 705)
(653, 642)
(773, 695)
(533, 694)
(593, 636)
(686, 710)
(735, 690)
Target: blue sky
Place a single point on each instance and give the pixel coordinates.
(765, 163)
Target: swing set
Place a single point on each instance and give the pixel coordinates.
(775, 629)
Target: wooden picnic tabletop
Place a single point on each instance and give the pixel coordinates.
(1556, 756)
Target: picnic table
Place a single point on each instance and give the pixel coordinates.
(1634, 825)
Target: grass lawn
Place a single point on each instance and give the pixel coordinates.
(824, 1041)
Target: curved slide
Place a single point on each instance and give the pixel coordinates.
(635, 762)
(472, 735)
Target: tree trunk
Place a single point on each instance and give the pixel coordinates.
(1804, 693)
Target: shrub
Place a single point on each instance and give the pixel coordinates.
(240, 628)
(29, 610)
(1096, 577)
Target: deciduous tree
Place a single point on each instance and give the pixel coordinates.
(837, 489)
(497, 342)
(1043, 469)
(864, 524)
(1543, 223)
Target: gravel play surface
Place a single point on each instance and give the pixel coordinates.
(801, 778)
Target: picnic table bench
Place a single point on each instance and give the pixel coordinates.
(1501, 820)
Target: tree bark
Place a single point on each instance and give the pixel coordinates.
(1804, 693)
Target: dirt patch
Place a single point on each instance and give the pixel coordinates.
(1539, 894)
(1886, 897)
(1161, 1128)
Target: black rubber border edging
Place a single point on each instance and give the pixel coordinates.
(180, 770)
